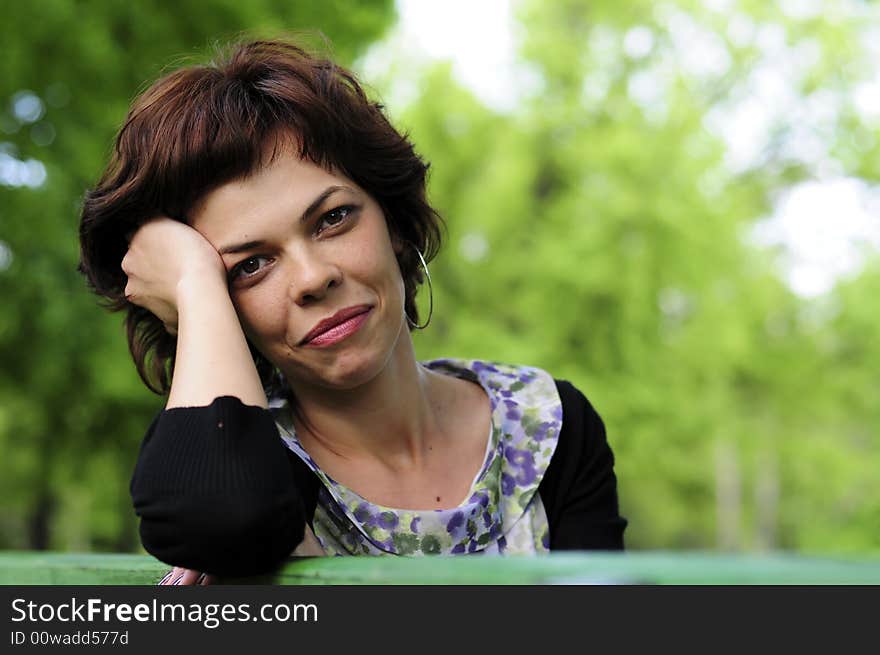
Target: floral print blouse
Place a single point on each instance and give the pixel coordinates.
(503, 512)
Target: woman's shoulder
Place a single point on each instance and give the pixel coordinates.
(554, 442)
(507, 381)
(538, 409)
(521, 383)
(582, 452)
(575, 403)
(527, 408)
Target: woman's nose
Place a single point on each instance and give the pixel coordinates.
(313, 277)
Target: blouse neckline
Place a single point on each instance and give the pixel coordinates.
(526, 417)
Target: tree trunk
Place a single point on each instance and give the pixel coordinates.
(727, 496)
(766, 500)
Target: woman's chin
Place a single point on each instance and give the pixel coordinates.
(348, 378)
(346, 372)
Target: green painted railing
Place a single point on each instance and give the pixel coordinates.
(42, 568)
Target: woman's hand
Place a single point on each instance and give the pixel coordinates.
(161, 254)
(181, 576)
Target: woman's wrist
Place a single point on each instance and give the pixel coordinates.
(213, 358)
(198, 285)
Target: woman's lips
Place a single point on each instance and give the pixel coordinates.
(339, 331)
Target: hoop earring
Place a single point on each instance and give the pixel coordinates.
(430, 292)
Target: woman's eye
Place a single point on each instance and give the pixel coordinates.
(334, 217)
(248, 268)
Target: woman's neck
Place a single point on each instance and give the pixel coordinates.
(394, 418)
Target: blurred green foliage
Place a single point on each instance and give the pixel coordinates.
(591, 234)
(72, 409)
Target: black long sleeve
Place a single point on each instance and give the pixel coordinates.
(579, 488)
(214, 489)
(217, 491)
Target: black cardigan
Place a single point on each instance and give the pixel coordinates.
(217, 491)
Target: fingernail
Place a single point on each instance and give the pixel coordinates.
(177, 582)
(167, 575)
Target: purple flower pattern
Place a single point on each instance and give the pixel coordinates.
(502, 514)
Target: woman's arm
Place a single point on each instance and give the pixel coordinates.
(579, 488)
(212, 484)
(212, 358)
(215, 491)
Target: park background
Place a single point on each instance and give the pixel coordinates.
(674, 205)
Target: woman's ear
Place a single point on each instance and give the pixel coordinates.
(397, 245)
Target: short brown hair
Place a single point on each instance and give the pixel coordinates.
(202, 126)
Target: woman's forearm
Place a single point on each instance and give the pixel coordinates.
(213, 358)
(213, 485)
(215, 492)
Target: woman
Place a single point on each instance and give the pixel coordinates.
(266, 230)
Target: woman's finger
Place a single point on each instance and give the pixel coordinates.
(167, 577)
(188, 577)
(170, 577)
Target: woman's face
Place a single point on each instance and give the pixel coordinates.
(312, 271)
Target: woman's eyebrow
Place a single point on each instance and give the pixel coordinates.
(311, 209)
(316, 203)
(241, 247)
